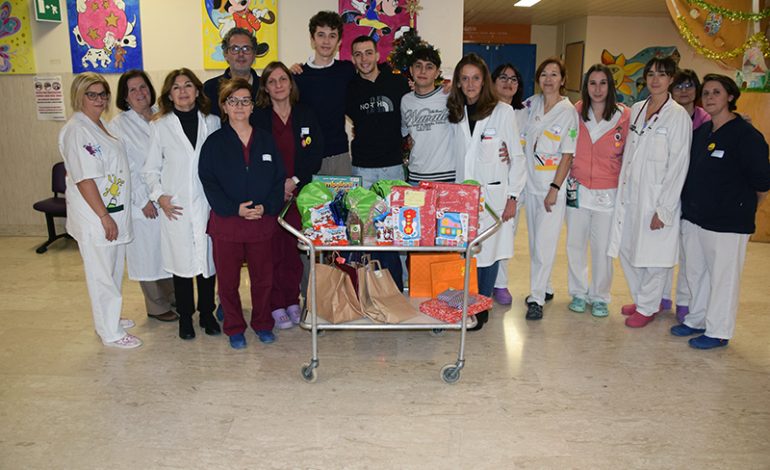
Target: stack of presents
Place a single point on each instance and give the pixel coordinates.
(337, 211)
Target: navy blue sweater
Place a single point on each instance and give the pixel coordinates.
(727, 169)
(324, 90)
(307, 158)
(228, 182)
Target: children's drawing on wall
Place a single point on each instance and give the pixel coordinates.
(629, 73)
(16, 54)
(382, 20)
(258, 17)
(105, 35)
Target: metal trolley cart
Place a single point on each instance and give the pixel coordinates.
(450, 373)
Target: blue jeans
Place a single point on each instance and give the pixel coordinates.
(373, 175)
(486, 277)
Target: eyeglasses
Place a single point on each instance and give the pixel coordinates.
(684, 86)
(244, 102)
(237, 49)
(506, 78)
(92, 95)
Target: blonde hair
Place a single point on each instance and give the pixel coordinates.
(80, 85)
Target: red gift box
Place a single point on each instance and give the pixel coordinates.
(442, 311)
(413, 209)
(460, 199)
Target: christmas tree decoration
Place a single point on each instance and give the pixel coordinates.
(713, 23)
(733, 15)
(402, 55)
(759, 40)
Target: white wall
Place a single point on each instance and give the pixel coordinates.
(545, 37)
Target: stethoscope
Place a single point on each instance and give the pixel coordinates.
(654, 117)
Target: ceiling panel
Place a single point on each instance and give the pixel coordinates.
(551, 12)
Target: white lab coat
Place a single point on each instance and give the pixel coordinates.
(651, 179)
(172, 169)
(143, 254)
(548, 136)
(479, 159)
(89, 153)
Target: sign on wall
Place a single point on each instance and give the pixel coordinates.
(258, 17)
(382, 20)
(47, 10)
(16, 53)
(105, 35)
(49, 98)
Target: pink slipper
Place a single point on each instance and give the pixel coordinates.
(294, 313)
(637, 320)
(282, 320)
(628, 310)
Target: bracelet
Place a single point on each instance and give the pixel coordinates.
(103, 216)
(555, 186)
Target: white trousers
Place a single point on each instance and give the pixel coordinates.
(589, 227)
(645, 284)
(714, 265)
(501, 282)
(683, 295)
(544, 230)
(103, 266)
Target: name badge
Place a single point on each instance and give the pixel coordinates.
(661, 131)
(718, 153)
(489, 134)
(266, 157)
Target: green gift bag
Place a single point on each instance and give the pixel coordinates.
(312, 195)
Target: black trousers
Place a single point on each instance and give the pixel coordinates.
(185, 298)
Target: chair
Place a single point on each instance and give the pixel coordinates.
(54, 206)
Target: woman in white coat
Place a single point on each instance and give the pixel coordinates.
(510, 89)
(135, 97)
(645, 224)
(487, 138)
(171, 173)
(550, 142)
(98, 202)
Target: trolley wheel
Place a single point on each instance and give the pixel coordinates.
(450, 373)
(309, 373)
(437, 332)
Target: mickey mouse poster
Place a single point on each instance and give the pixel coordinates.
(259, 17)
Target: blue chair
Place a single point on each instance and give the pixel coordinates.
(54, 206)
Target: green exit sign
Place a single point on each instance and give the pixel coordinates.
(47, 10)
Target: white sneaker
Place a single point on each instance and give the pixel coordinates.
(126, 342)
(126, 323)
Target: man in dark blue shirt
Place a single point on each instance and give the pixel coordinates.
(240, 49)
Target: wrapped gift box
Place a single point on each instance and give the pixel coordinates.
(457, 212)
(442, 311)
(414, 215)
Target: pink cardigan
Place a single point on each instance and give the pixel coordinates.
(596, 165)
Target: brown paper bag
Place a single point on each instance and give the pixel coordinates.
(336, 300)
(381, 301)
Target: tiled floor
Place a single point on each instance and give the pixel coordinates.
(571, 391)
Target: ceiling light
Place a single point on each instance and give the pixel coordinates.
(525, 3)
